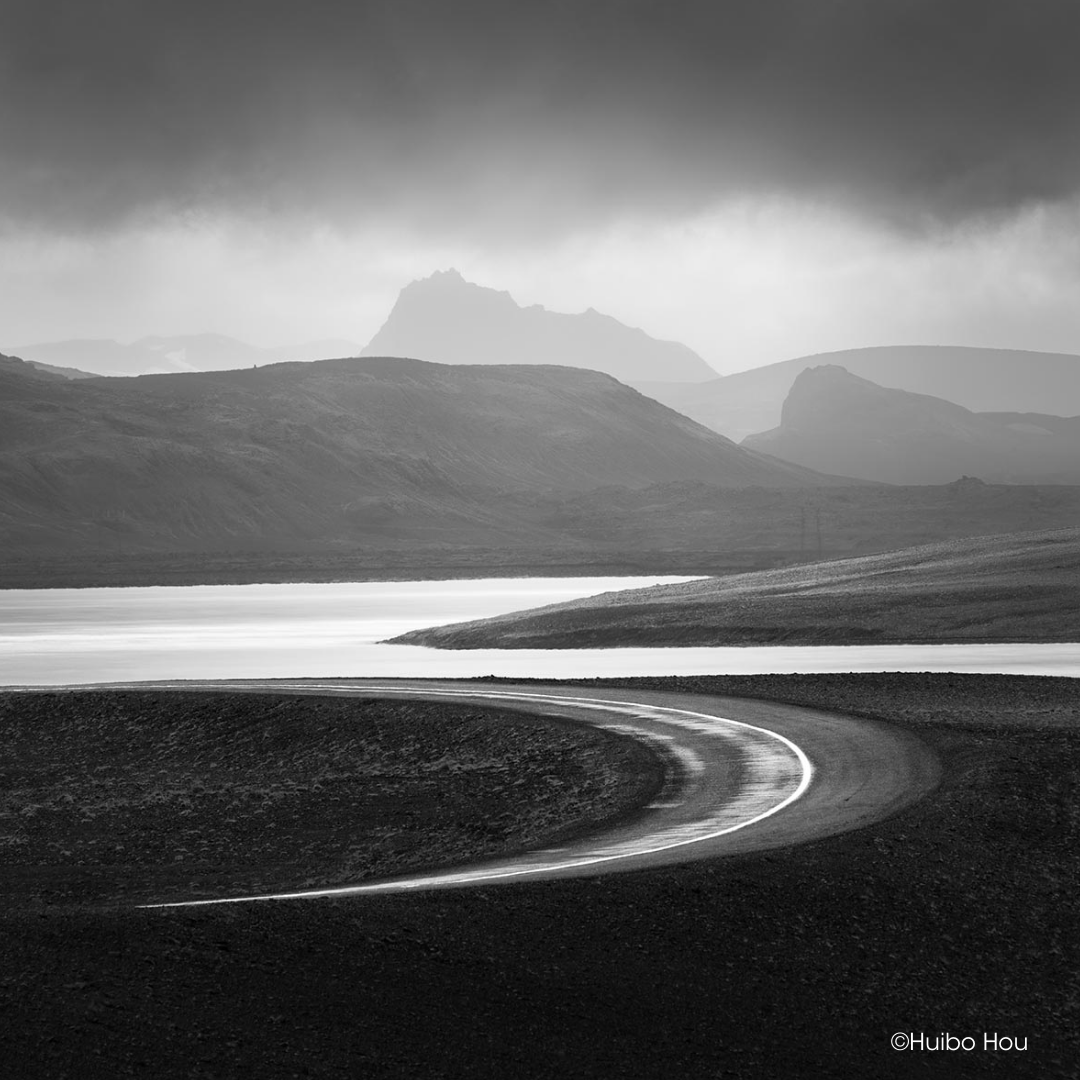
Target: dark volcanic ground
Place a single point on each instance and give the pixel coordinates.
(960, 915)
(134, 797)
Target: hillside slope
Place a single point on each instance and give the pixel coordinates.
(1017, 587)
(338, 450)
(14, 365)
(982, 380)
(452, 321)
(838, 422)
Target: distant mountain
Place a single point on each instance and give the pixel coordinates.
(449, 320)
(838, 422)
(1021, 587)
(983, 380)
(338, 451)
(161, 355)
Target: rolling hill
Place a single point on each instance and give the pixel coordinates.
(982, 380)
(837, 422)
(1017, 587)
(452, 321)
(337, 451)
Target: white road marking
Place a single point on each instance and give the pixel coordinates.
(771, 776)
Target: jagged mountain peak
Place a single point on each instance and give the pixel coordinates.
(447, 319)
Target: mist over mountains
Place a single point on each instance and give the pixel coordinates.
(445, 319)
(527, 438)
(982, 380)
(449, 320)
(838, 422)
(184, 352)
(441, 318)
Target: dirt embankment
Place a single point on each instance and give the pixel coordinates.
(131, 796)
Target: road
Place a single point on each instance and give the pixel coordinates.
(740, 776)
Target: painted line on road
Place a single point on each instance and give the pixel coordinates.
(702, 723)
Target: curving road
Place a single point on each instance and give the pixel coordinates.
(741, 775)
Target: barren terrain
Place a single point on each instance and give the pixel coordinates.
(129, 797)
(1012, 588)
(960, 914)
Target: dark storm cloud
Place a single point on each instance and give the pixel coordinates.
(443, 111)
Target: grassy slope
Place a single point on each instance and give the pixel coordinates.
(1022, 587)
(961, 915)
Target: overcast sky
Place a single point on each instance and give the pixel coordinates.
(758, 178)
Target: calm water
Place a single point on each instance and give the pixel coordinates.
(57, 636)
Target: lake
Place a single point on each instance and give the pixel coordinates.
(52, 637)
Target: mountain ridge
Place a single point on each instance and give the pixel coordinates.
(981, 380)
(446, 319)
(836, 421)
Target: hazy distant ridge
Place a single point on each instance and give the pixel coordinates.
(184, 352)
(837, 422)
(982, 380)
(452, 321)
